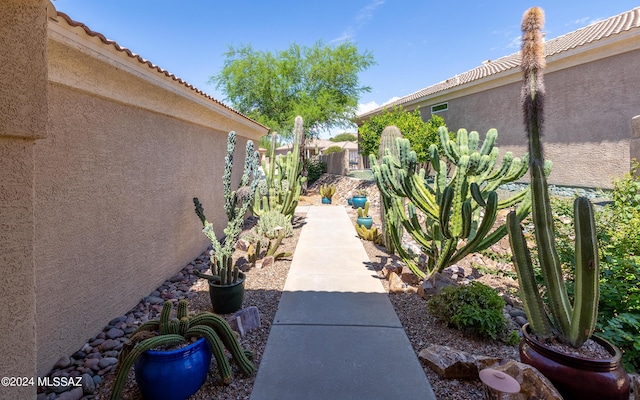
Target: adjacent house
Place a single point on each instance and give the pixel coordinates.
(592, 83)
(316, 147)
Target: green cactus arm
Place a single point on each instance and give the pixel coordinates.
(448, 249)
(226, 334)
(183, 309)
(587, 289)
(523, 209)
(489, 141)
(224, 369)
(445, 211)
(513, 200)
(547, 253)
(125, 364)
(165, 315)
(531, 300)
(474, 140)
(490, 214)
(460, 192)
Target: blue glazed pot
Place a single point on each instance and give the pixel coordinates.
(367, 222)
(174, 374)
(350, 201)
(326, 200)
(359, 201)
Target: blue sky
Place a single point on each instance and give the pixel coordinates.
(415, 43)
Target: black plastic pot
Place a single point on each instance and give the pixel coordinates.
(228, 298)
(578, 377)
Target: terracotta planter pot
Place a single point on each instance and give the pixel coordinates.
(578, 377)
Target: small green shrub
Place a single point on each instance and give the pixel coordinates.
(474, 307)
(624, 332)
(315, 169)
(273, 223)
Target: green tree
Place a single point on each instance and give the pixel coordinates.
(421, 134)
(344, 137)
(319, 83)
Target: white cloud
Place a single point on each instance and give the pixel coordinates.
(372, 105)
(363, 16)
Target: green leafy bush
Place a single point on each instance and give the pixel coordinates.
(315, 169)
(475, 307)
(273, 223)
(421, 134)
(624, 332)
(333, 149)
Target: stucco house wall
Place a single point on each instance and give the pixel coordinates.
(99, 169)
(591, 81)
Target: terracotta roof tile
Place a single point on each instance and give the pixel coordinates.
(151, 65)
(597, 31)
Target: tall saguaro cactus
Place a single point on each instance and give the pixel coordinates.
(573, 323)
(284, 178)
(460, 211)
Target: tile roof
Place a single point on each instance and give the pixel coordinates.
(597, 31)
(148, 63)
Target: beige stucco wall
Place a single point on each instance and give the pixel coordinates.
(114, 183)
(588, 113)
(100, 157)
(23, 116)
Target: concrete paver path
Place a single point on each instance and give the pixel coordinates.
(336, 335)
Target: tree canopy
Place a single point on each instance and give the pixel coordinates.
(344, 137)
(319, 83)
(421, 134)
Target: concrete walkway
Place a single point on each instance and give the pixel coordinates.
(336, 335)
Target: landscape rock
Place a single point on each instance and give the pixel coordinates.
(455, 364)
(397, 285)
(245, 320)
(265, 262)
(533, 385)
(434, 285)
(73, 394)
(114, 333)
(88, 384)
(408, 276)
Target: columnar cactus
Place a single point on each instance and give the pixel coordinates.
(363, 212)
(283, 178)
(237, 203)
(388, 218)
(460, 211)
(574, 324)
(170, 332)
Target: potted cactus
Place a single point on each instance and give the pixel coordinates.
(360, 198)
(177, 373)
(327, 192)
(363, 216)
(576, 377)
(226, 281)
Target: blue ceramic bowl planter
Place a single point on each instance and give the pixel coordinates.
(359, 201)
(367, 222)
(173, 374)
